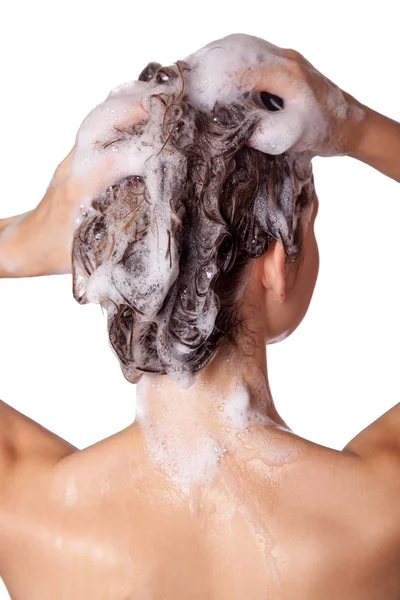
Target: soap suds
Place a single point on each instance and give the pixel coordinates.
(189, 448)
(227, 68)
(130, 253)
(132, 164)
(215, 76)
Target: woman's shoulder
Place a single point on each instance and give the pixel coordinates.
(357, 487)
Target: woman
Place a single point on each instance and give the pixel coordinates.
(207, 494)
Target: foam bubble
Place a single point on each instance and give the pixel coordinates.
(229, 68)
(214, 68)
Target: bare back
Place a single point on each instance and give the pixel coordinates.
(283, 518)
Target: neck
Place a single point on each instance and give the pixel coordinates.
(187, 431)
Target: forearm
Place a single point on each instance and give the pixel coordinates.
(30, 246)
(377, 143)
(3, 224)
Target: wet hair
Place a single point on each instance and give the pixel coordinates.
(226, 201)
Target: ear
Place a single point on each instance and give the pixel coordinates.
(273, 276)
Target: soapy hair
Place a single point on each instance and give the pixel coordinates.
(226, 202)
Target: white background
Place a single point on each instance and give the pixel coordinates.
(338, 371)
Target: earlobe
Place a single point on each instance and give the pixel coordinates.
(274, 270)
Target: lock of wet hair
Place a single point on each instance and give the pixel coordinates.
(165, 248)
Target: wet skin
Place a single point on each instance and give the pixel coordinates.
(283, 518)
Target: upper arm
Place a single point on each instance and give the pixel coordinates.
(378, 445)
(382, 435)
(22, 440)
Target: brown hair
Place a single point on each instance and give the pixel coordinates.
(227, 202)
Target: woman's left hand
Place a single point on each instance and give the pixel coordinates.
(315, 115)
